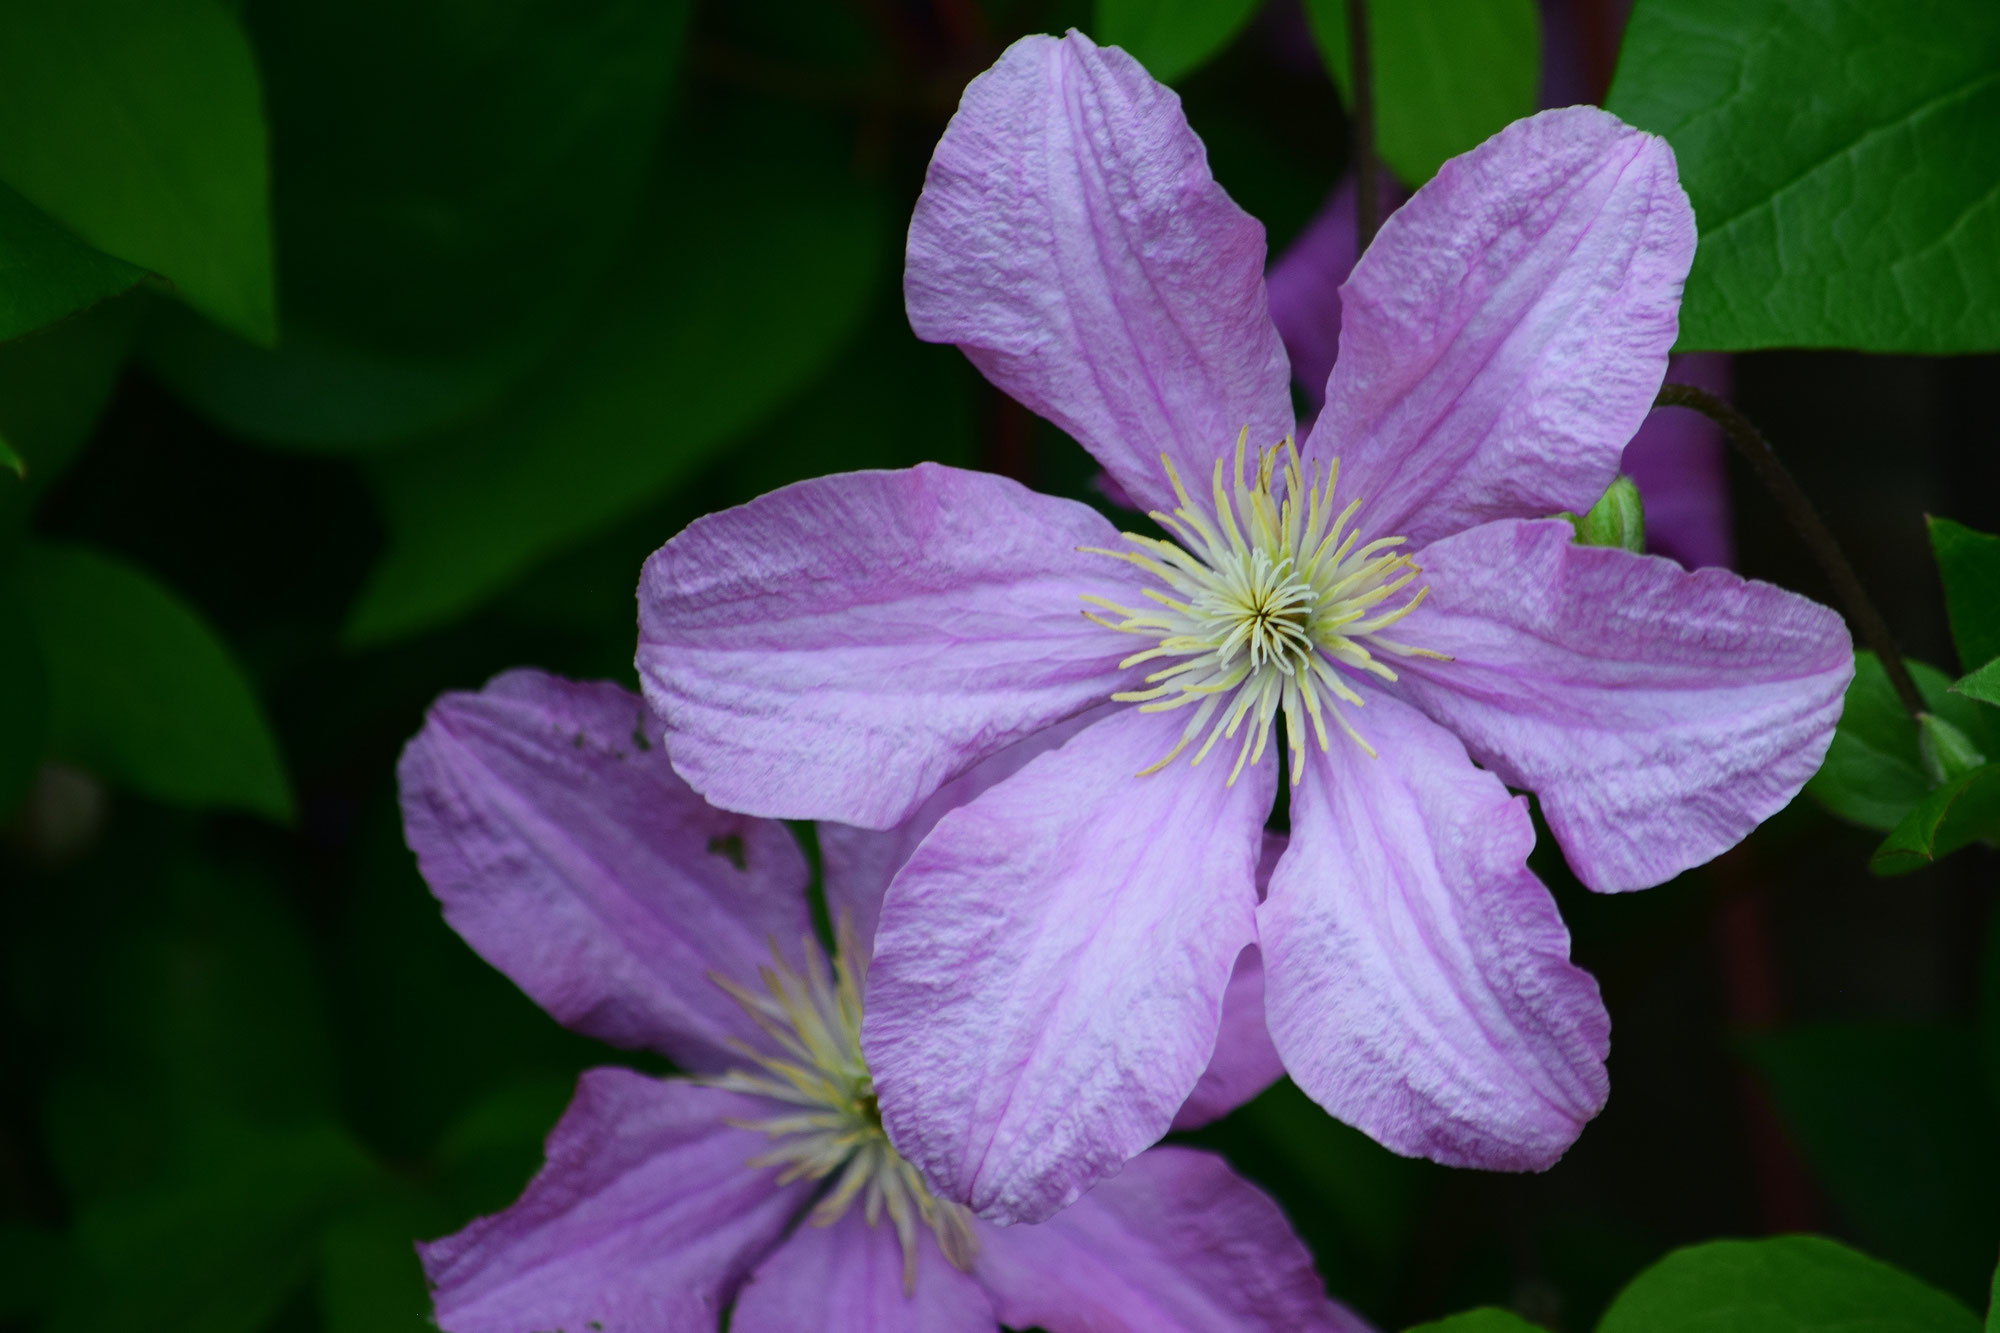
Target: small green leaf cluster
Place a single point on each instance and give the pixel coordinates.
(1928, 781)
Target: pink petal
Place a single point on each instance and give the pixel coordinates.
(566, 851)
(1049, 971)
(645, 1217)
(841, 648)
(1505, 334)
(1305, 291)
(1245, 1062)
(1175, 1243)
(1660, 715)
(848, 1278)
(1072, 241)
(1418, 977)
(1676, 459)
(858, 863)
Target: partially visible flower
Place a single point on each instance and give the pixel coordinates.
(1385, 611)
(550, 825)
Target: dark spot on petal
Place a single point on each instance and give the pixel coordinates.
(639, 734)
(731, 846)
(578, 742)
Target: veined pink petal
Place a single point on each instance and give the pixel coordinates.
(1418, 981)
(1677, 461)
(841, 648)
(848, 1278)
(1049, 971)
(644, 1217)
(1660, 715)
(1245, 1062)
(1175, 1243)
(858, 863)
(1072, 241)
(1305, 291)
(547, 821)
(1505, 334)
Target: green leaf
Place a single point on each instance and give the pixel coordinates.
(1842, 159)
(1874, 773)
(1490, 1319)
(45, 272)
(12, 461)
(218, 1249)
(138, 125)
(1963, 811)
(1898, 1127)
(1171, 37)
(1983, 684)
(715, 319)
(447, 201)
(1969, 565)
(1789, 1284)
(1448, 73)
(53, 387)
(141, 690)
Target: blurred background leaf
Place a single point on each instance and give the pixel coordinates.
(1844, 163)
(140, 689)
(1448, 73)
(703, 327)
(1790, 1284)
(448, 199)
(1170, 37)
(1489, 1320)
(138, 124)
(46, 272)
(1964, 810)
(1899, 1125)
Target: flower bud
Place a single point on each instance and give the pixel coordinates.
(1617, 519)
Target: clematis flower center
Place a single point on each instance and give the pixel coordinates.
(835, 1132)
(1267, 602)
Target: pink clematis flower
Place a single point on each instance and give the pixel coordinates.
(563, 848)
(1051, 962)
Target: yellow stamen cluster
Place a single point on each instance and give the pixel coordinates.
(836, 1132)
(1268, 602)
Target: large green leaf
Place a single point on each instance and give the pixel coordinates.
(1789, 1284)
(1171, 37)
(1969, 565)
(1898, 1126)
(704, 329)
(1964, 810)
(1448, 73)
(138, 124)
(1983, 684)
(1844, 162)
(45, 272)
(1491, 1319)
(1873, 774)
(141, 690)
(447, 199)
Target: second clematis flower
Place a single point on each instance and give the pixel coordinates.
(759, 1194)
(1385, 614)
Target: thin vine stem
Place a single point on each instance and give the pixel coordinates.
(1367, 173)
(1812, 530)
